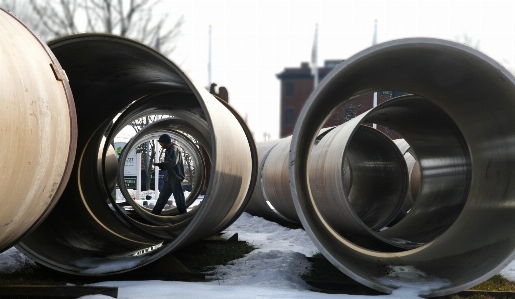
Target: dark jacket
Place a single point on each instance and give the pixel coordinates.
(173, 165)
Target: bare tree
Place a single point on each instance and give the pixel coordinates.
(141, 20)
(506, 63)
(467, 40)
(189, 170)
(18, 8)
(148, 149)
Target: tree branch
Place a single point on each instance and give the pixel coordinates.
(136, 19)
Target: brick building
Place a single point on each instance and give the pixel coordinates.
(297, 86)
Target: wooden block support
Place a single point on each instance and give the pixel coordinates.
(166, 265)
(44, 291)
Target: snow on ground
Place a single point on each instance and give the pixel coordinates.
(152, 201)
(267, 235)
(11, 260)
(271, 271)
(174, 289)
(509, 271)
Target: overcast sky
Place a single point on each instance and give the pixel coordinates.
(252, 41)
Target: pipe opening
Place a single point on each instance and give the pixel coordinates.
(358, 180)
(117, 78)
(363, 189)
(191, 134)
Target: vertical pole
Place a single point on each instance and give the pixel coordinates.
(314, 58)
(158, 39)
(374, 37)
(156, 171)
(209, 62)
(138, 174)
(374, 104)
(374, 42)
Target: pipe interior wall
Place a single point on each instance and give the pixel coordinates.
(413, 175)
(371, 200)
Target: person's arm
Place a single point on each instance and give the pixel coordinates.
(169, 161)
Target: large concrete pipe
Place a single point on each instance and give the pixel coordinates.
(382, 185)
(259, 204)
(180, 130)
(188, 128)
(370, 188)
(86, 233)
(461, 129)
(38, 130)
(362, 196)
(275, 182)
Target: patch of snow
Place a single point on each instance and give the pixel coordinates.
(95, 265)
(268, 269)
(509, 271)
(13, 260)
(267, 235)
(411, 282)
(271, 271)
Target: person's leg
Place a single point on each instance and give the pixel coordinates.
(178, 194)
(164, 194)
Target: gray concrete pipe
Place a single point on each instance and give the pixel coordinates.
(188, 128)
(177, 128)
(461, 129)
(359, 183)
(380, 185)
(39, 134)
(362, 196)
(259, 204)
(84, 234)
(275, 182)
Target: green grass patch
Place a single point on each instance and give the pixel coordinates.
(475, 296)
(203, 256)
(334, 281)
(326, 278)
(322, 270)
(496, 283)
(40, 275)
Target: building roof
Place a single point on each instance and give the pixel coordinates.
(305, 71)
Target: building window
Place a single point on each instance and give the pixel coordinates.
(349, 113)
(289, 116)
(289, 88)
(397, 93)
